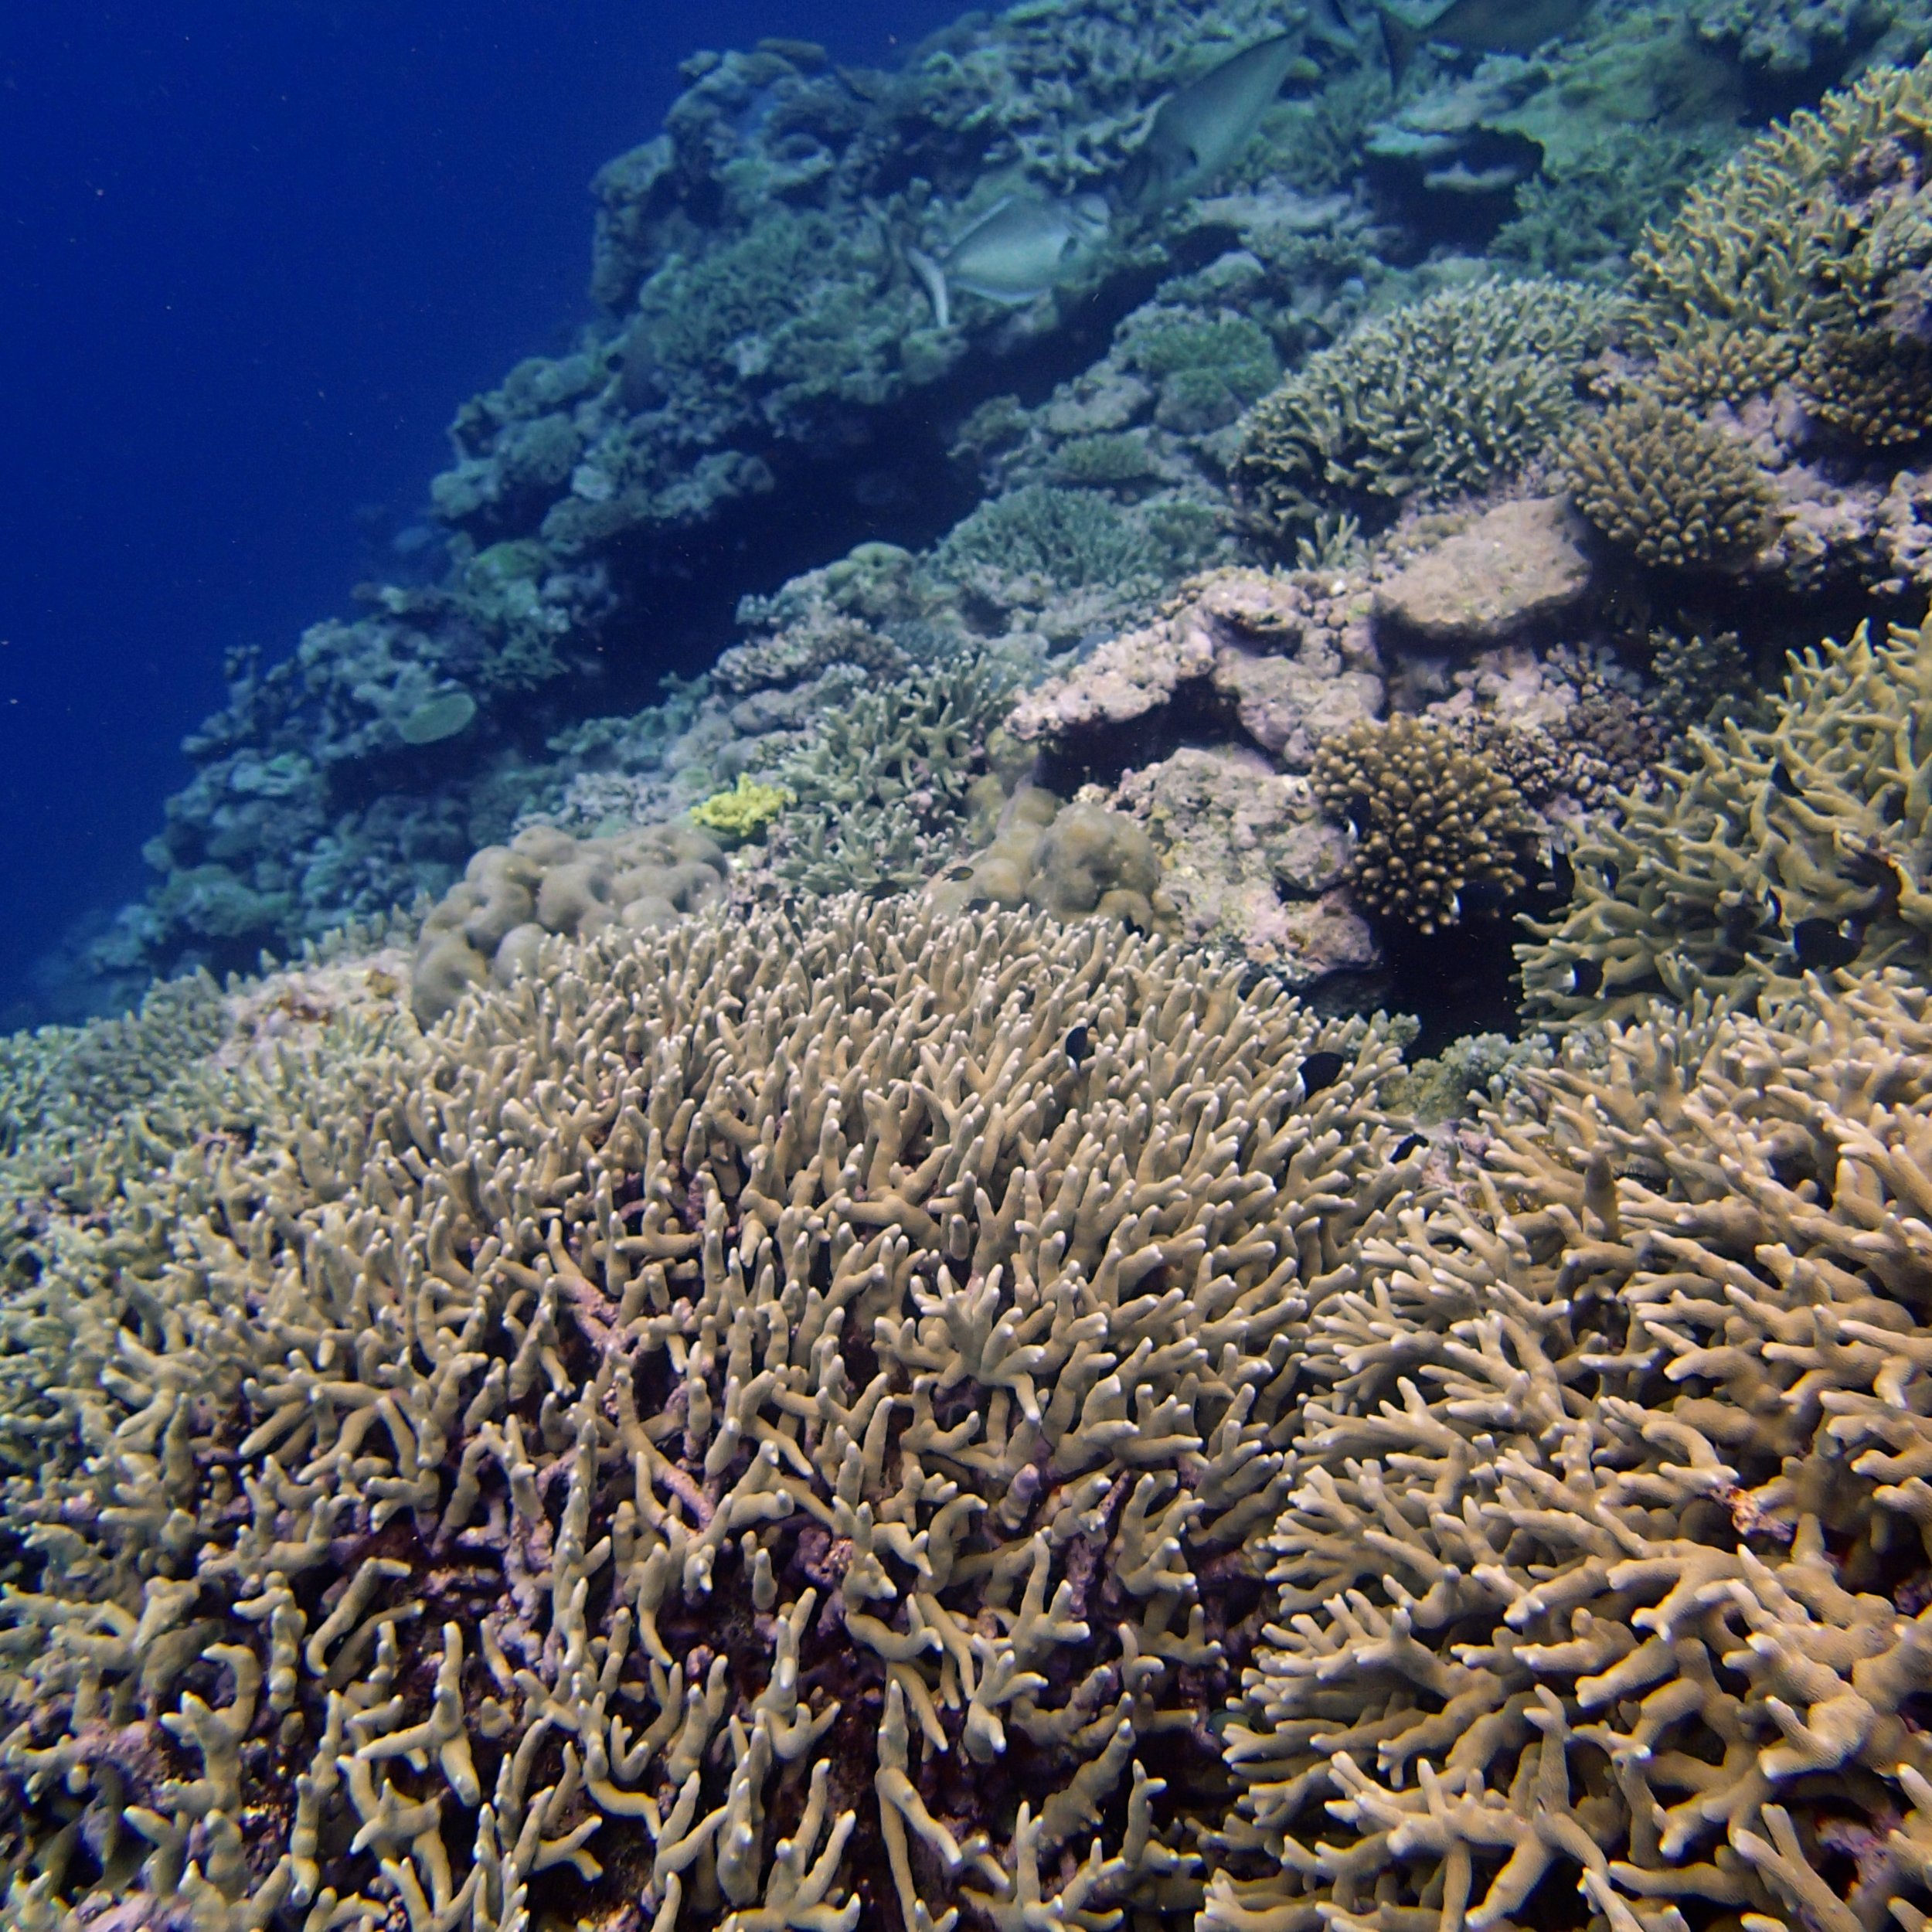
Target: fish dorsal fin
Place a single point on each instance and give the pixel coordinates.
(983, 219)
(1399, 41)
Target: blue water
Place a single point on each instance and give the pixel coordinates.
(255, 253)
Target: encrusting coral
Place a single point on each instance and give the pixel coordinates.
(766, 1425)
(1763, 852)
(1433, 819)
(1602, 1589)
(1677, 493)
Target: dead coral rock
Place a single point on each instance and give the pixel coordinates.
(1292, 662)
(1288, 707)
(1513, 569)
(1247, 860)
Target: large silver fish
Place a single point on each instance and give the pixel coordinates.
(1479, 26)
(1199, 128)
(1022, 246)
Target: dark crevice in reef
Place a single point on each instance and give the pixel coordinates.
(1197, 714)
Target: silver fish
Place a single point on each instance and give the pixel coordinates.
(1022, 246)
(1199, 128)
(1478, 26)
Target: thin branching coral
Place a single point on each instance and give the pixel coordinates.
(881, 787)
(1434, 399)
(1677, 493)
(1433, 819)
(1603, 1588)
(762, 1426)
(1802, 259)
(1763, 852)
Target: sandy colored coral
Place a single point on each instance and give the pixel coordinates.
(1603, 1588)
(764, 1427)
(1072, 861)
(1432, 820)
(1807, 836)
(1676, 492)
(544, 882)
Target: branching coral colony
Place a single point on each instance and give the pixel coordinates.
(1602, 1578)
(763, 1425)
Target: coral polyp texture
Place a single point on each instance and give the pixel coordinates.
(767, 1425)
(1432, 819)
(1761, 852)
(1601, 1589)
(1437, 399)
(1675, 492)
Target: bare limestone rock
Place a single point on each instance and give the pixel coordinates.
(1515, 568)
(1285, 660)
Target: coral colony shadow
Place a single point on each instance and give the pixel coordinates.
(1191, 1193)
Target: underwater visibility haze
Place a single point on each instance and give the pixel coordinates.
(1058, 1057)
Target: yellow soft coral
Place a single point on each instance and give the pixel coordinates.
(744, 810)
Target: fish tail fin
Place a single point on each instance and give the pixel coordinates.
(932, 279)
(1399, 41)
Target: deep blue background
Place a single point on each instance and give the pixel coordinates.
(251, 257)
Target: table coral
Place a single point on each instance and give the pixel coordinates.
(1763, 851)
(1602, 1589)
(764, 1426)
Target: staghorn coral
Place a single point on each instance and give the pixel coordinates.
(1432, 820)
(883, 783)
(1677, 493)
(1435, 400)
(1801, 260)
(1763, 851)
(1602, 1587)
(61, 1082)
(761, 1427)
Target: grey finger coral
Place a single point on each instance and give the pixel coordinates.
(1433, 819)
(1601, 1590)
(1677, 493)
(769, 1425)
(1763, 852)
(1434, 399)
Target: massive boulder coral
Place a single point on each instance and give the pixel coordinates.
(1601, 1593)
(765, 1426)
(493, 923)
(1764, 851)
